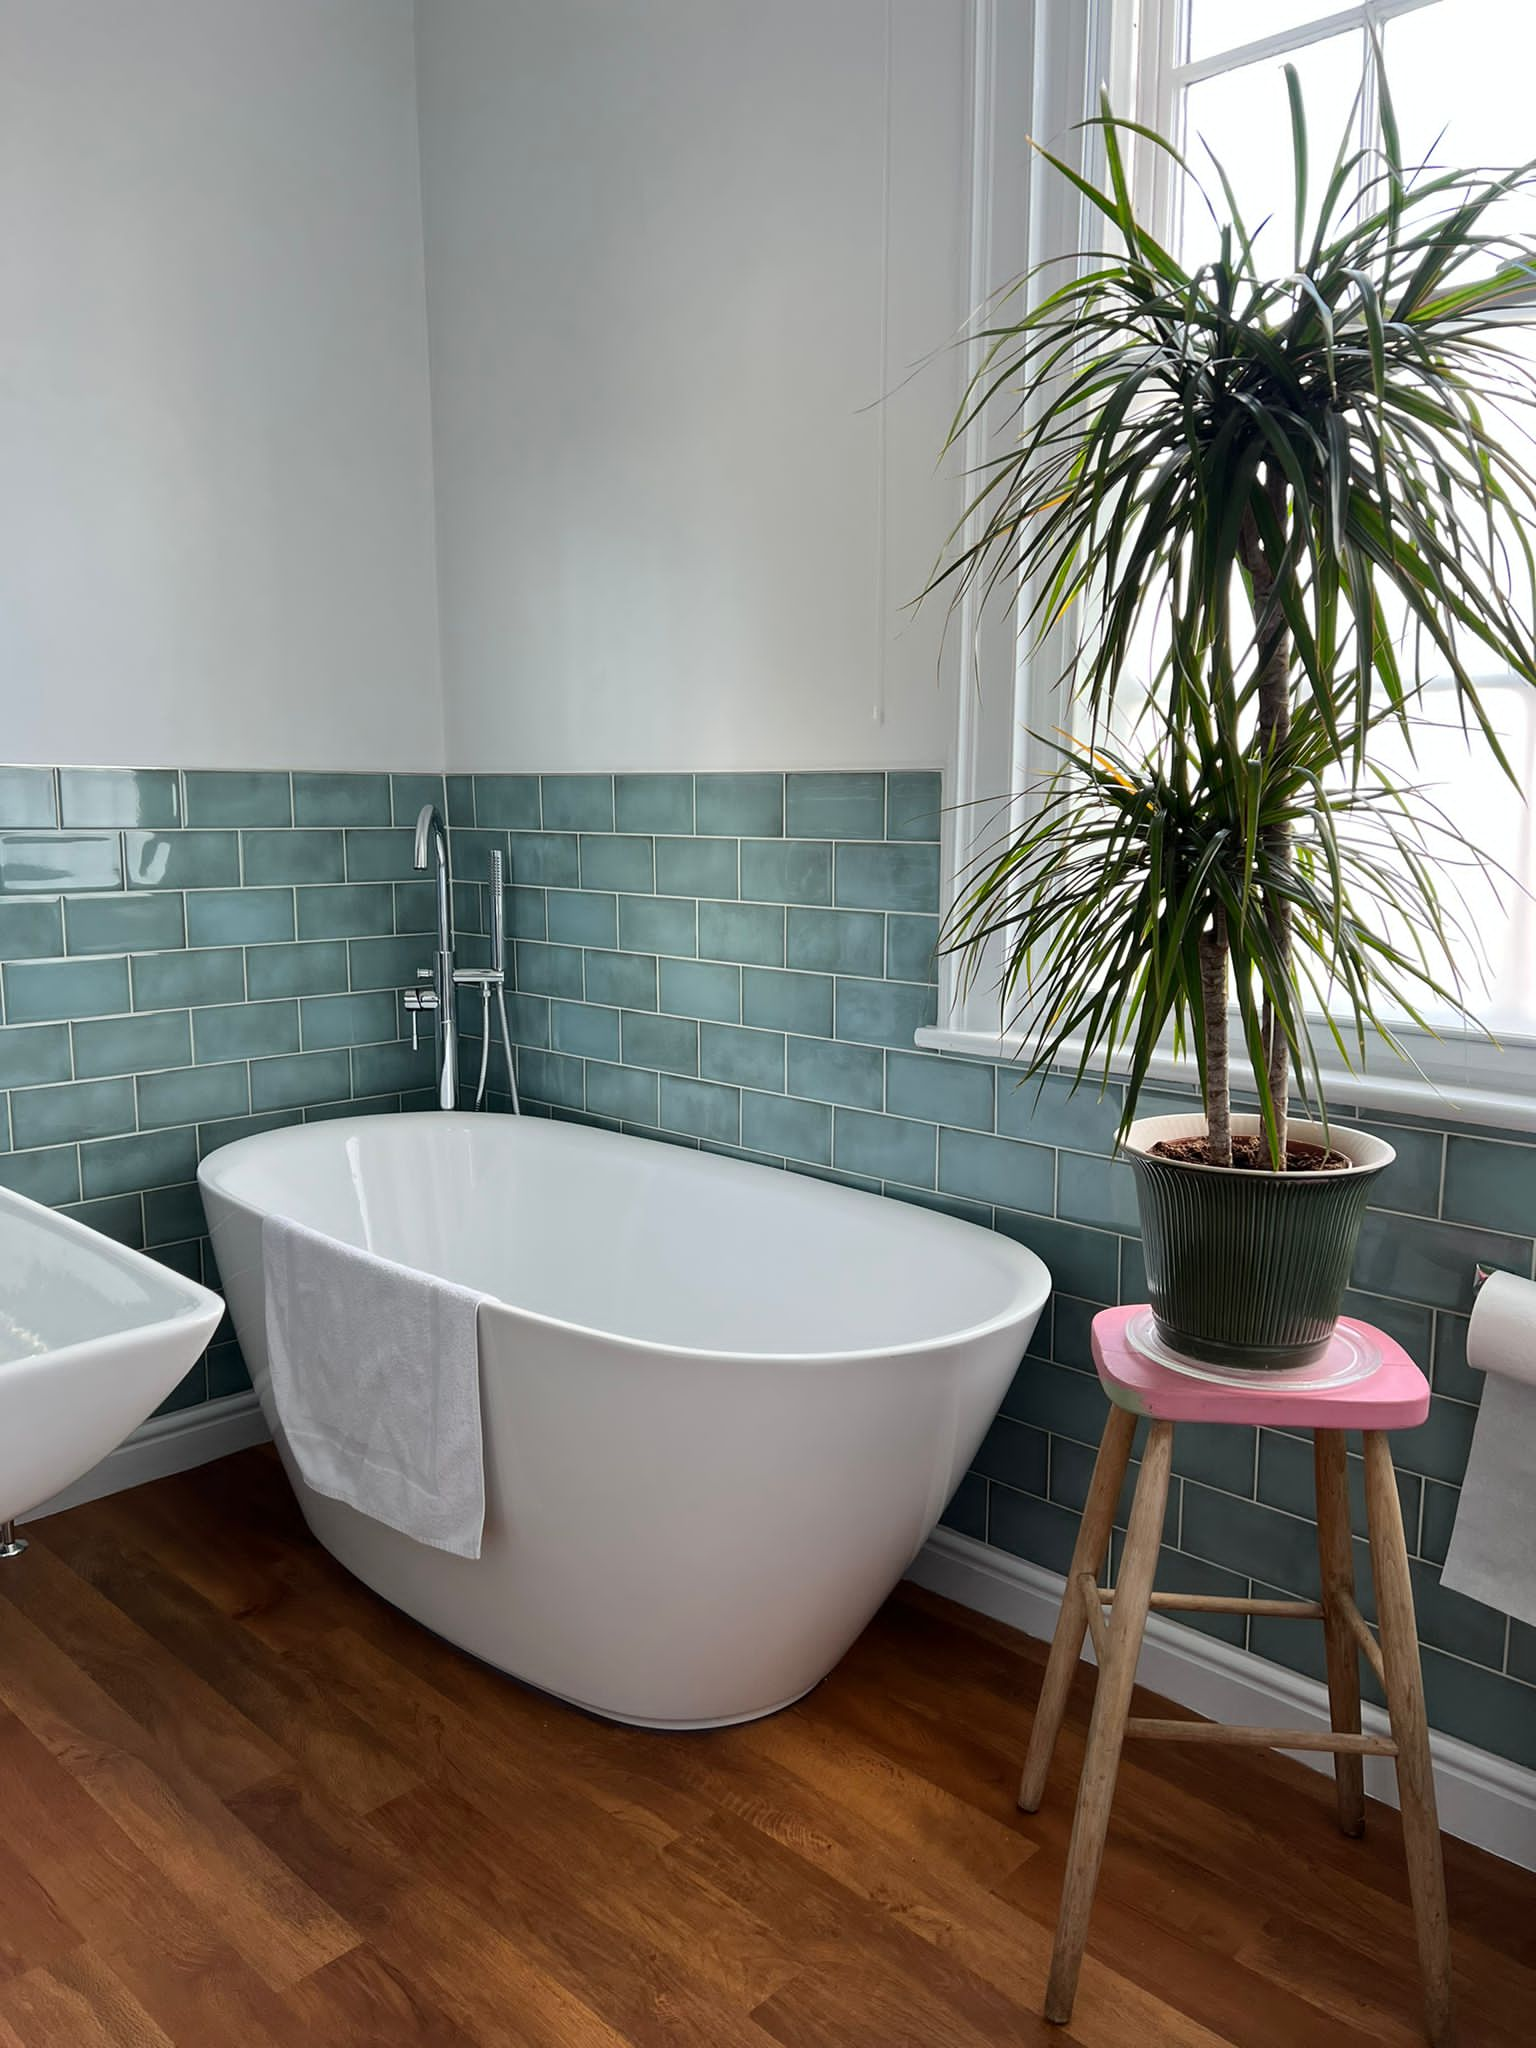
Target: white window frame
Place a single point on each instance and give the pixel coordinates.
(1036, 71)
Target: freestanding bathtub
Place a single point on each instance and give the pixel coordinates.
(723, 1406)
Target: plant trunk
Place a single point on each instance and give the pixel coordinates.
(1274, 725)
(1218, 1076)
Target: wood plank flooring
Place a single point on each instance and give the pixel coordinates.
(243, 1804)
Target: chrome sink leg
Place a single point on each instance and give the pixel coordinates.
(11, 1545)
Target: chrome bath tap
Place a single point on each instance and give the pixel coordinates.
(436, 984)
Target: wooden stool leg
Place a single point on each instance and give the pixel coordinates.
(1106, 1732)
(1072, 1623)
(1337, 1565)
(1410, 1731)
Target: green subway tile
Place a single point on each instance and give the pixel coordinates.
(1031, 1528)
(1431, 1263)
(738, 805)
(690, 988)
(120, 1217)
(1094, 1190)
(529, 1019)
(30, 1053)
(887, 877)
(182, 860)
(341, 800)
(914, 802)
(326, 1022)
(550, 1077)
(881, 1012)
(1488, 1183)
(884, 1147)
(653, 803)
(625, 981)
(911, 946)
(193, 1095)
(1438, 1448)
(26, 797)
(696, 867)
(415, 907)
(1412, 1181)
(124, 924)
(786, 870)
(1286, 1480)
(119, 796)
(343, 910)
(46, 863)
(1217, 1454)
(966, 1513)
(659, 924)
(527, 913)
(460, 790)
(617, 861)
(943, 1090)
(701, 1109)
(746, 932)
(749, 1059)
(311, 967)
(174, 1215)
(1522, 1651)
(1014, 1454)
(52, 1176)
(1053, 1113)
(1247, 1537)
(386, 963)
(1481, 1707)
(1452, 1376)
(211, 1137)
(1411, 1325)
(300, 1079)
(780, 1125)
(243, 1031)
(668, 1043)
(544, 970)
(235, 917)
(577, 803)
(834, 806)
(780, 999)
(507, 802)
(31, 931)
(366, 1105)
(628, 1094)
(1133, 1270)
(38, 991)
(313, 855)
(374, 854)
(76, 1109)
(238, 797)
(825, 1071)
(1083, 1262)
(407, 794)
(383, 1068)
(584, 1030)
(837, 941)
(227, 1372)
(191, 1391)
(582, 917)
(548, 860)
(133, 1045)
(155, 1159)
(169, 981)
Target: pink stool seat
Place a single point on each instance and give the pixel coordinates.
(1395, 1396)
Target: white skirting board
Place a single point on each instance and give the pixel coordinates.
(1482, 1799)
(163, 1445)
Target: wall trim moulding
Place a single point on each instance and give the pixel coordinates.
(1483, 1799)
(164, 1445)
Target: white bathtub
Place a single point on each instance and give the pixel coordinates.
(723, 1406)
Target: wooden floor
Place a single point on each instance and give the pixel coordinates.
(243, 1803)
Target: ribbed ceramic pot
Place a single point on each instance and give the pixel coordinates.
(1248, 1269)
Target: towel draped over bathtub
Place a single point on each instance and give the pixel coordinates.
(376, 1380)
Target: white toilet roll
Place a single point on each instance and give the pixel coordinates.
(1492, 1557)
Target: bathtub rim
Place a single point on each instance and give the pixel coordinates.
(1028, 1303)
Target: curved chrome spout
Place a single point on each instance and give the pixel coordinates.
(432, 850)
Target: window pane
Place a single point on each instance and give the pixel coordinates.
(1461, 86)
(1244, 118)
(1216, 25)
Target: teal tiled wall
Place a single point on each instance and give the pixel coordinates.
(187, 957)
(740, 962)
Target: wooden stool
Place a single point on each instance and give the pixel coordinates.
(1396, 1396)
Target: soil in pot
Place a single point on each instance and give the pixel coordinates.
(1252, 1155)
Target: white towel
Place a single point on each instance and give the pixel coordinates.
(1492, 1555)
(376, 1379)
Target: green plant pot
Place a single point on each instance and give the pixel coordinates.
(1248, 1269)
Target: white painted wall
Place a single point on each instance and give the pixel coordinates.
(676, 254)
(215, 463)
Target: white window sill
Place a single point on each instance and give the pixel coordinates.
(1468, 1100)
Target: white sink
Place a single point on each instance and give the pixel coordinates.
(93, 1337)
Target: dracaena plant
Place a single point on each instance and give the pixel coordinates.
(1307, 493)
